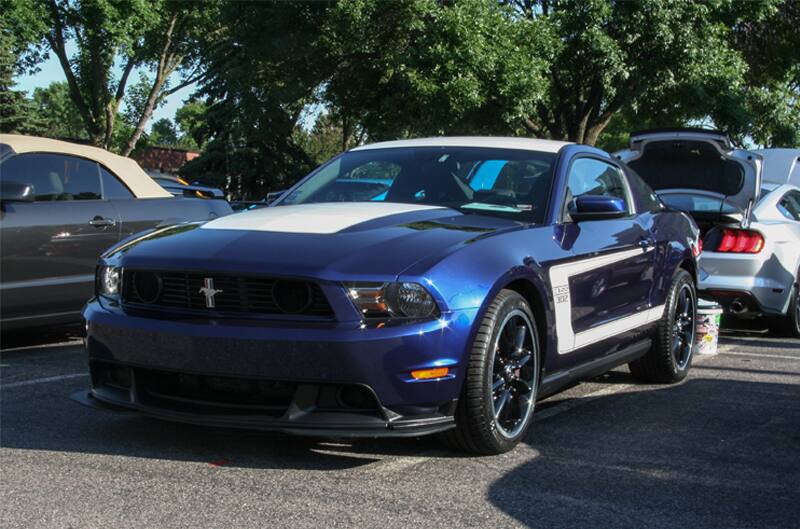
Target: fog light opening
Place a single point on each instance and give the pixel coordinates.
(356, 397)
(428, 374)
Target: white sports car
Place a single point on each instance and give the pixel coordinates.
(748, 212)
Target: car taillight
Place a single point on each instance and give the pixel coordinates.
(740, 241)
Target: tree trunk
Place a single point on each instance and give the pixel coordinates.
(594, 130)
(56, 42)
(167, 63)
(113, 106)
(147, 112)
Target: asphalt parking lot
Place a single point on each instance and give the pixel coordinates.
(720, 450)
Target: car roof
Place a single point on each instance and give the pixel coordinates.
(125, 168)
(495, 142)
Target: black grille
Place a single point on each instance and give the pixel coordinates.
(234, 294)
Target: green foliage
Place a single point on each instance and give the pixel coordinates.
(264, 69)
(765, 108)
(323, 141)
(163, 132)
(190, 118)
(17, 114)
(613, 55)
(57, 113)
(590, 71)
(158, 35)
(426, 68)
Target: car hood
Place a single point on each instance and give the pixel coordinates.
(359, 241)
(699, 163)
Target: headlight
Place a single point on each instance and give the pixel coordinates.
(393, 300)
(108, 280)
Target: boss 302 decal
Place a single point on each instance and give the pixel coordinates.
(568, 340)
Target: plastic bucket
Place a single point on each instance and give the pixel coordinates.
(709, 314)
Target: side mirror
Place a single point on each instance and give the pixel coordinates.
(16, 192)
(596, 207)
(274, 195)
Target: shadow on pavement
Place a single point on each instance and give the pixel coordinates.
(771, 342)
(707, 453)
(40, 336)
(44, 418)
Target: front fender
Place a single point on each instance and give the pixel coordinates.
(471, 277)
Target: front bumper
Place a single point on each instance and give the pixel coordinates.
(746, 284)
(318, 379)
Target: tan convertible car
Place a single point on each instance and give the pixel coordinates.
(61, 205)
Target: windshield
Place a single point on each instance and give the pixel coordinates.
(500, 182)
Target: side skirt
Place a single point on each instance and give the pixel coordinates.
(553, 382)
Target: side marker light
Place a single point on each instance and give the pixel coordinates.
(427, 374)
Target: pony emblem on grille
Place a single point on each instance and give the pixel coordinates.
(209, 291)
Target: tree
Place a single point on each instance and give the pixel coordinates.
(264, 68)
(163, 132)
(607, 56)
(766, 107)
(424, 67)
(59, 117)
(159, 35)
(16, 111)
(191, 121)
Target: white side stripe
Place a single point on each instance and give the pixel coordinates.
(613, 328)
(560, 275)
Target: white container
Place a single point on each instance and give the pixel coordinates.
(709, 314)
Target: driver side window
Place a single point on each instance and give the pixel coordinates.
(588, 176)
(54, 176)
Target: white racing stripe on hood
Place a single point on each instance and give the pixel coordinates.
(311, 218)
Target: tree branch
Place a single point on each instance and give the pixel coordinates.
(166, 65)
(56, 41)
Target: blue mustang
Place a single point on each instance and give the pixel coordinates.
(482, 274)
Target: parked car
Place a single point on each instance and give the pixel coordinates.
(439, 308)
(181, 188)
(751, 238)
(61, 205)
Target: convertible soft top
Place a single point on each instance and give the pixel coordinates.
(125, 168)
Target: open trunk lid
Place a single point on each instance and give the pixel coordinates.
(698, 171)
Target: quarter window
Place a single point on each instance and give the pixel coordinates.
(789, 205)
(588, 176)
(54, 176)
(112, 187)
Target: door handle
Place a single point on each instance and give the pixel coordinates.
(100, 222)
(645, 243)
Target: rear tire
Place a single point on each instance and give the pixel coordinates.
(669, 359)
(496, 405)
(789, 324)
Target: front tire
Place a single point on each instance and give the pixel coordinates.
(502, 379)
(669, 359)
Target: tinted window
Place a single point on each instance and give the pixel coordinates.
(501, 182)
(112, 187)
(54, 176)
(5, 150)
(588, 176)
(789, 205)
(648, 199)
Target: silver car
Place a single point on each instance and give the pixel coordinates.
(750, 229)
(61, 205)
